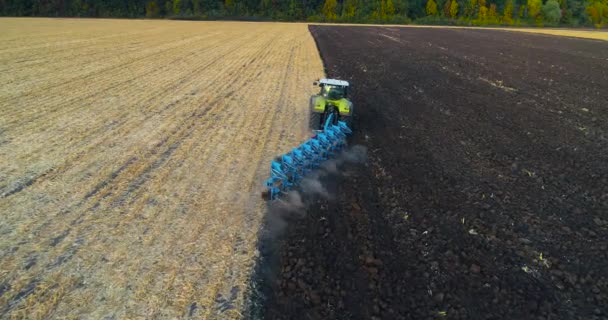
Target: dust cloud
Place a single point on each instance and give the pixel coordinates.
(312, 187)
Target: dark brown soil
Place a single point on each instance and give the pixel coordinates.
(485, 190)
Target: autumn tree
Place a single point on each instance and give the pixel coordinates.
(534, 7)
(493, 14)
(446, 8)
(507, 13)
(482, 14)
(431, 8)
(477, 11)
(329, 10)
(598, 12)
(454, 9)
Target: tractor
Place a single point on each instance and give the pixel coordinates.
(331, 120)
(331, 100)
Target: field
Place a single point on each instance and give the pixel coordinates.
(485, 191)
(132, 155)
(585, 34)
(131, 159)
(564, 32)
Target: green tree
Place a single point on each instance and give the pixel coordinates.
(169, 7)
(382, 10)
(551, 11)
(349, 9)
(196, 7)
(402, 7)
(431, 8)
(295, 10)
(454, 9)
(229, 6)
(571, 12)
(566, 12)
(390, 8)
(152, 9)
(471, 8)
(177, 7)
(521, 12)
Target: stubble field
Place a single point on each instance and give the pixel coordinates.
(131, 154)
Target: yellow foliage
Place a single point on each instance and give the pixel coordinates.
(454, 9)
(329, 10)
(534, 7)
(492, 14)
(446, 8)
(598, 12)
(482, 15)
(507, 14)
(431, 8)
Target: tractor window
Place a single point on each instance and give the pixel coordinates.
(333, 92)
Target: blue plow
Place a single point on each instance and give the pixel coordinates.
(288, 170)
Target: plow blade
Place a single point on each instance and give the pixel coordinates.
(288, 170)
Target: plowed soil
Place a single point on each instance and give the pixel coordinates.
(485, 191)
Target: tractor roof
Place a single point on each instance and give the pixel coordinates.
(334, 82)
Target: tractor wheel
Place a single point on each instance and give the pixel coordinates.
(315, 121)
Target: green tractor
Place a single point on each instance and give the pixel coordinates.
(331, 100)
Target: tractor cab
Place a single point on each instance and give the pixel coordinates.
(332, 89)
(331, 100)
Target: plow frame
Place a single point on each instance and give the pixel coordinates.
(286, 171)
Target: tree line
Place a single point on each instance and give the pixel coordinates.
(460, 12)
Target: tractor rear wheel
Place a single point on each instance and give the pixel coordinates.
(315, 121)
